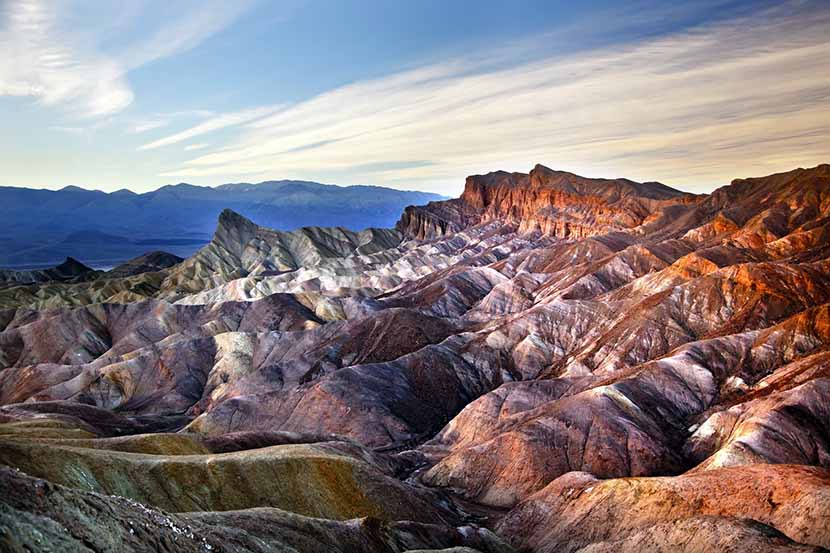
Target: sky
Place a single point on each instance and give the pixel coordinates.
(409, 95)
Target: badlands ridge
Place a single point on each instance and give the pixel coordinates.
(547, 363)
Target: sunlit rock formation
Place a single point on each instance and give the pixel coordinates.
(577, 364)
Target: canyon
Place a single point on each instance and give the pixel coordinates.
(547, 363)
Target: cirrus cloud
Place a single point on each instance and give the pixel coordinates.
(198, 146)
(695, 108)
(214, 124)
(41, 62)
(47, 56)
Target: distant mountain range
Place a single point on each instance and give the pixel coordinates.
(40, 228)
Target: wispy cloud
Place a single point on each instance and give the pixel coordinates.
(214, 124)
(694, 109)
(47, 57)
(185, 32)
(159, 120)
(145, 126)
(199, 146)
(40, 61)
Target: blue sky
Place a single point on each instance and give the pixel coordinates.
(412, 95)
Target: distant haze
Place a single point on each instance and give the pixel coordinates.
(41, 227)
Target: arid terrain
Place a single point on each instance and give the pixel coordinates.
(548, 363)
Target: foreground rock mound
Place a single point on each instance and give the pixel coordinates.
(322, 480)
(35, 513)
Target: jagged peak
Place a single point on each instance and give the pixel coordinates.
(230, 218)
(233, 230)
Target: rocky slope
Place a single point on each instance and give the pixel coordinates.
(577, 364)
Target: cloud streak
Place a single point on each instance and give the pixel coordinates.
(214, 124)
(145, 126)
(693, 109)
(199, 146)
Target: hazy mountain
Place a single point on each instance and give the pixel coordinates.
(40, 228)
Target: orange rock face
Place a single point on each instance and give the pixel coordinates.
(556, 203)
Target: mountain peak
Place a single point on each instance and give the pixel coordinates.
(72, 266)
(230, 218)
(234, 231)
(539, 168)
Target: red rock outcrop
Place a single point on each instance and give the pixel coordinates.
(557, 203)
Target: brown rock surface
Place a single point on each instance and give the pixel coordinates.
(576, 509)
(701, 535)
